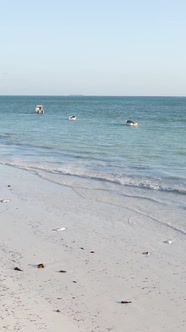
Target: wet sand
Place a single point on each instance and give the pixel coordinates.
(105, 268)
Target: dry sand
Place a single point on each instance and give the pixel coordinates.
(101, 247)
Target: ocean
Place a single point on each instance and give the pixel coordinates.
(142, 168)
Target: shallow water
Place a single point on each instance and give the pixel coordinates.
(98, 154)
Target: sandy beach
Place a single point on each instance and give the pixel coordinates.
(106, 268)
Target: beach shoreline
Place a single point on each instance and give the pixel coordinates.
(119, 272)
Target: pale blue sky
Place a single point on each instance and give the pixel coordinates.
(93, 47)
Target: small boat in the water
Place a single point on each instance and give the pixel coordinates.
(39, 109)
(72, 117)
(131, 123)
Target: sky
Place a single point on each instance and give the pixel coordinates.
(93, 47)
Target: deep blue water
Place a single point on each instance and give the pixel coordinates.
(99, 146)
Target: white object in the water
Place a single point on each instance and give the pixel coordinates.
(72, 117)
(4, 200)
(131, 123)
(59, 229)
(39, 109)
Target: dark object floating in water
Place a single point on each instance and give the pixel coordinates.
(9, 185)
(74, 281)
(92, 252)
(125, 302)
(17, 269)
(41, 266)
(131, 123)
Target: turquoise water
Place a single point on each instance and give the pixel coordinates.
(98, 150)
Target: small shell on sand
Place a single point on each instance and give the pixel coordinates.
(4, 200)
(41, 266)
(169, 241)
(147, 253)
(58, 229)
(125, 302)
(17, 269)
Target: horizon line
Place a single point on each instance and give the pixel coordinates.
(84, 95)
